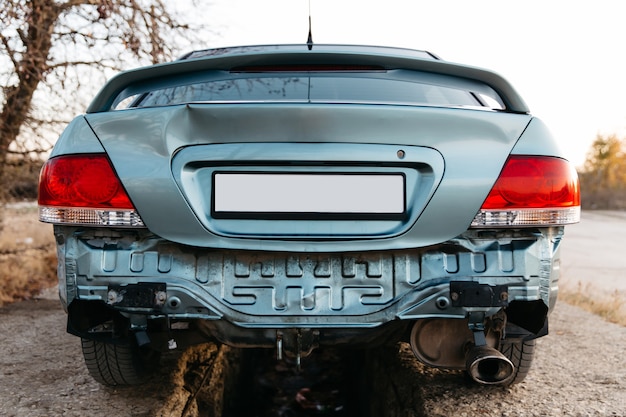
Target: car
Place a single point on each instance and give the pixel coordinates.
(292, 197)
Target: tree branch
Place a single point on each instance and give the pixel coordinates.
(77, 63)
(69, 4)
(10, 52)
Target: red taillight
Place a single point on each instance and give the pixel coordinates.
(81, 181)
(532, 191)
(84, 189)
(534, 182)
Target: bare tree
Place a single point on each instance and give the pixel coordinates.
(54, 53)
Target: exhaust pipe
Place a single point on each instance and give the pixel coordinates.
(488, 366)
(450, 344)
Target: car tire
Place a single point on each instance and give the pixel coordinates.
(521, 355)
(119, 364)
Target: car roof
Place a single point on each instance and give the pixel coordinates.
(322, 48)
(141, 80)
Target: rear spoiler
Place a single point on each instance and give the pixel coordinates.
(142, 80)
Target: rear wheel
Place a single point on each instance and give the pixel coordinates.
(521, 355)
(119, 364)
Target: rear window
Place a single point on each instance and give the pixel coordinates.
(378, 88)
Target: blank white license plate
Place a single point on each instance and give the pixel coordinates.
(376, 194)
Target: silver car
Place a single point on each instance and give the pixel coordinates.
(298, 196)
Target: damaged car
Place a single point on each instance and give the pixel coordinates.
(299, 196)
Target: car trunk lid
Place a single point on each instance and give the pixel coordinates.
(174, 161)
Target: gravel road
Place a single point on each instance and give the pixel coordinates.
(579, 370)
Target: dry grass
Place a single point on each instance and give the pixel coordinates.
(27, 254)
(612, 308)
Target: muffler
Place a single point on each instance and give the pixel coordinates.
(450, 344)
(488, 366)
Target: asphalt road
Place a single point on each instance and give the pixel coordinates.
(593, 253)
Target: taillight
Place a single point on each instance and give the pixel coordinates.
(84, 189)
(532, 191)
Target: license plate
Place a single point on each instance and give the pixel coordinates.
(308, 195)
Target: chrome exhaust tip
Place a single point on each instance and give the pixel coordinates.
(488, 366)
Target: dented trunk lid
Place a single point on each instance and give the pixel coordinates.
(173, 161)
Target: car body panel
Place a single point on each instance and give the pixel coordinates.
(142, 145)
(255, 289)
(78, 137)
(538, 140)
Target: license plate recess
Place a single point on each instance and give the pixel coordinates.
(308, 195)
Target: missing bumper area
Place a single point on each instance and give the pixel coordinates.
(473, 294)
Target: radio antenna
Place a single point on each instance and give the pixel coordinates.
(309, 40)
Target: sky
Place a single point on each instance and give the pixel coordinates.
(566, 58)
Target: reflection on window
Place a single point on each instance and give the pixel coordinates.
(127, 102)
(247, 89)
(491, 102)
(322, 89)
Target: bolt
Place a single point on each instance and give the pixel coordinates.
(454, 296)
(112, 297)
(160, 298)
(504, 296)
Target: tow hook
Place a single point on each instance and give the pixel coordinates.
(296, 343)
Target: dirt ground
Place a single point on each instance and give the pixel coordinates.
(580, 370)
(27, 253)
